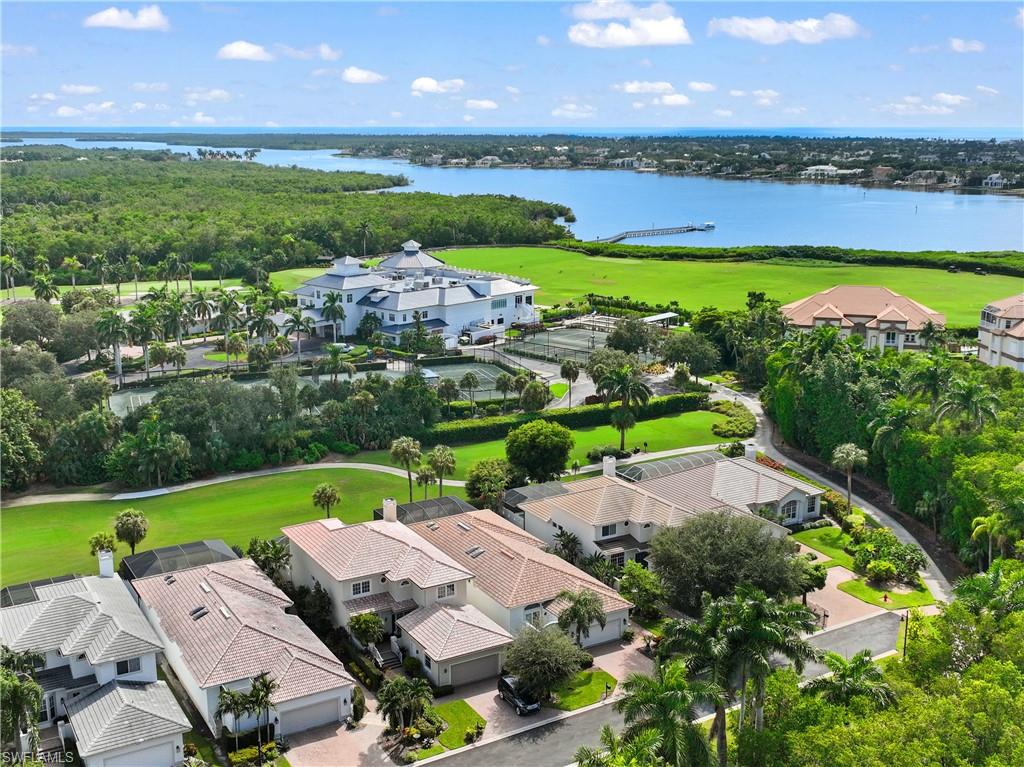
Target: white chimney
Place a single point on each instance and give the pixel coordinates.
(106, 559)
(608, 466)
(750, 452)
(390, 510)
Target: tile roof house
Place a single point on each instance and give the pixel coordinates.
(225, 623)
(1001, 333)
(883, 318)
(515, 580)
(95, 642)
(618, 513)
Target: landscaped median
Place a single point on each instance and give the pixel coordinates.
(463, 725)
(585, 689)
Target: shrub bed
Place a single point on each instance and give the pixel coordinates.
(739, 423)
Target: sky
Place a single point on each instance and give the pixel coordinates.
(599, 64)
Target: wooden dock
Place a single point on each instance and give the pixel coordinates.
(656, 232)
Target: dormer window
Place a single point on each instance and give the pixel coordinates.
(448, 590)
(129, 666)
(360, 587)
(607, 530)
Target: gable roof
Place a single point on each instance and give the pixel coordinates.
(121, 714)
(451, 631)
(91, 615)
(375, 548)
(243, 632)
(869, 301)
(511, 566)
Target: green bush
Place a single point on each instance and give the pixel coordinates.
(358, 703)
(596, 453)
(413, 667)
(315, 452)
(881, 571)
(344, 448)
(740, 423)
(247, 756)
(834, 504)
(246, 460)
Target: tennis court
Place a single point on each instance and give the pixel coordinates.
(564, 343)
(487, 374)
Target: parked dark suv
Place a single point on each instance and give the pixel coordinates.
(520, 700)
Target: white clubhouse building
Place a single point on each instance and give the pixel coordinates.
(1001, 333)
(450, 302)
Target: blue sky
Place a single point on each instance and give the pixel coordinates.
(492, 64)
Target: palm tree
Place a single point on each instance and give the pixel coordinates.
(448, 390)
(626, 385)
(227, 312)
(568, 546)
(997, 526)
(134, 267)
(970, 401)
(10, 270)
(667, 703)
(235, 703)
(201, 308)
(932, 335)
(235, 347)
(333, 311)
(442, 461)
(325, 496)
(74, 266)
(991, 591)
(405, 451)
(402, 700)
(425, 477)
(570, 371)
(261, 694)
(888, 428)
(930, 381)
(176, 356)
(857, 677)
(470, 382)
(642, 750)
(99, 264)
(175, 267)
(846, 458)
(142, 329)
(623, 420)
(297, 323)
(43, 288)
(364, 229)
(260, 324)
(503, 384)
(113, 331)
(174, 317)
(583, 609)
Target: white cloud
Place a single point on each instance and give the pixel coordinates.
(512, 89)
(1020, 17)
(644, 86)
(479, 104)
(794, 110)
(423, 85)
(959, 45)
(950, 99)
(48, 96)
(359, 76)
(195, 96)
(543, 40)
(673, 100)
(148, 18)
(722, 112)
(79, 90)
(201, 118)
(986, 90)
(768, 31)
(243, 50)
(322, 51)
(394, 114)
(699, 87)
(66, 111)
(327, 53)
(103, 106)
(7, 49)
(914, 105)
(654, 24)
(138, 106)
(149, 87)
(765, 97)
(737, 93)
(638, 105)
(574, 111)
(468, 118)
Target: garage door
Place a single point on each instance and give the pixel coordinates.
(611, 631)
(299, 719)
(475, 670)
(161, 755)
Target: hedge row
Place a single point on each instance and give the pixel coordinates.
(497, 427)
(1000, 262)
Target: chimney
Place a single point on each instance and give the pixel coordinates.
(390, 510)
(106, 559)
(608, 466)
(750, 452)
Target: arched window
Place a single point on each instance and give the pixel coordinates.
(789, 511)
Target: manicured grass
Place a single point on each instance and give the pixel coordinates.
(558, 390)
(872, 594)
(460, 716)
(52, 539)
(206, 752)
(585, 689)
(563, 275)
(680, 430)
(830, 542)
(426, 753)
(654, 626)
(726, 378)
(217, 357)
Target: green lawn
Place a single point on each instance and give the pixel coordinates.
(51, 539)
(426, 753)
(680, 430)
(558, 390)
(563, 275)
(655, 626)
(872, 594)
(585, 689)
(206, 752)
(460, 716)
(829, 541)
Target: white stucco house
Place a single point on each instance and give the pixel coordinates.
(448, 301)
(1001, 333)
(618, 513)
(224, 624)
(99, 674)
(883, 318)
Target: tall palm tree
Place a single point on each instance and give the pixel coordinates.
(98, 262)
(43, 288)
(857, 677)
(930, 380)
(175, 266)
(333, 311)
(448, 390)
(74, 266)
(134, 267)
(625, 384)
(582, 610)
(667, 703)
(970, 401)
(992, 591)
(228, 312)
(174, 316)
(470, 382)
(261, 698)
(142, 329)
(568, 546)
(847, 457)
(503, 384)
(642, 750)
(113, 331)
(365, 228)
(887, 429)
(10, 270)
(201, 308)
(442, 461)
(622, 419)
(260, 324)
(235, 703)
(997, 527)
(425, 477)
(298, 324)
(570, 371)
(405, 451)
(235, 347)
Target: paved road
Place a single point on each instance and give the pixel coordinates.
(554, 744)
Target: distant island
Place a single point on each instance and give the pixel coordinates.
(920, 163)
